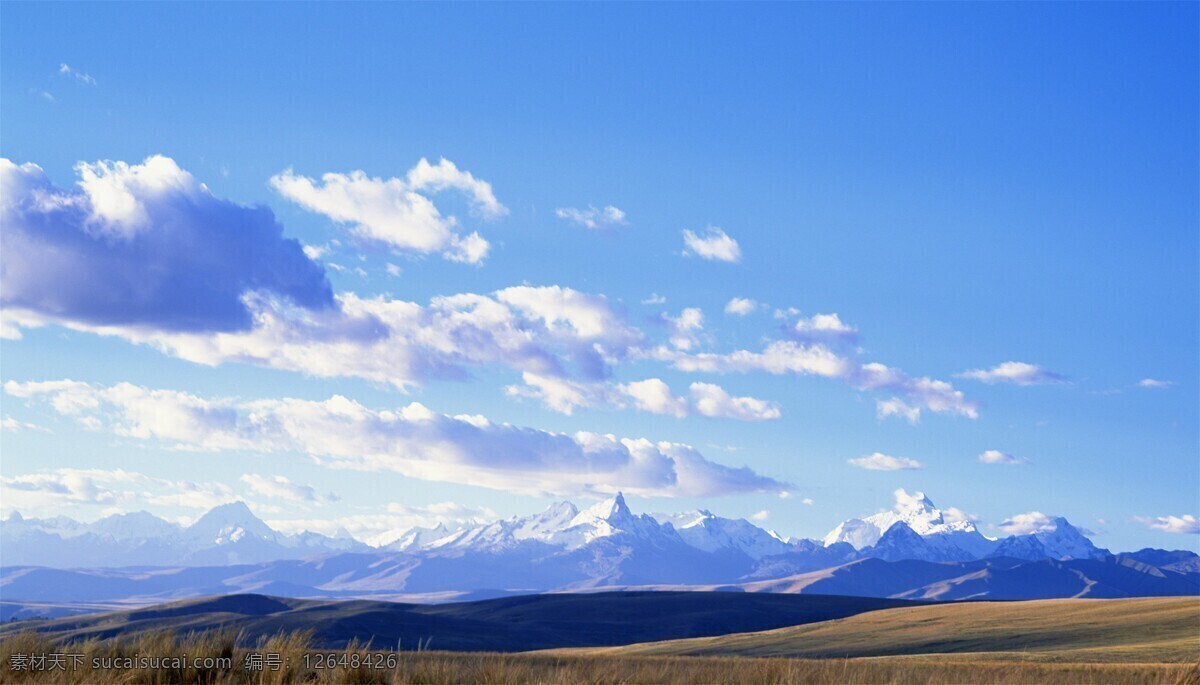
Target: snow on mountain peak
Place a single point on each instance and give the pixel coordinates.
(1055, 537)
(948, 538)
(544, 525)
(915, 505)
(612, 510)
(137, 525)
(229, 523)
(706, 531)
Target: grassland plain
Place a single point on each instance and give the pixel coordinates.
(445, 668)
(1146, 630)
(1094, 642)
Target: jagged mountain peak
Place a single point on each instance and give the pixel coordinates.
(899, 531)
(613, 510)
(706, 531)
(914, 509)
(1056, 538)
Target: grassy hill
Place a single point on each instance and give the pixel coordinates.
(500, 625)
(1065, 630)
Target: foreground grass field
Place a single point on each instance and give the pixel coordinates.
(432, 668)
(1147, 630)
(1093, 642)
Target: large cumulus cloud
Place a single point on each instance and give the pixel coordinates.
(144, 245)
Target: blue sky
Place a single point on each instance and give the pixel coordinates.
(963, 185)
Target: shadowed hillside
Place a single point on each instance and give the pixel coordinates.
(501, 625)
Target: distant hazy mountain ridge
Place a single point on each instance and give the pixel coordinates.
(913, 551)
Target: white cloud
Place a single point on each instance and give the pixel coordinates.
(315, 252)
(66, 70)
(897, 407)
(563, 310)
(807, 500)
(1027, 523)
(955, 515)
(998, 457)
(279, 487)
(655, 298)
(761, 515)
(1186, 523)
(714, 245)
(560, 394)
(592, 217)
(779, 357)
(818, 359)
(686, 328)
(12, 425)
(51, 491)
(1155, 384)
(651, 395)
(394, 211)
(411, 440)
(1017, 373)
(550, 332)
(883, 462)
(713, 401)
(654, 396)
(740, 306)
(923, 393)
(445, 175)
(824, 326)
(145, 246)
(393, 270)
(543, 330)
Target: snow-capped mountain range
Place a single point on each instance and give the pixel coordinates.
(564, 548)
(231, 534)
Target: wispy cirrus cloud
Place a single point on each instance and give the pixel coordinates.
(1185, 523)
(652, 395)
(879, 461)
(280, 487)
(66, 70)
(412, 441)
(545, 330)
(12, 425)
(1016, 373)
(593, 218)
(782, 357)
(70, 487)
(1004, 458)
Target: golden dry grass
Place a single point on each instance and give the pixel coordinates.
(1154, 629)
(432, 668)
